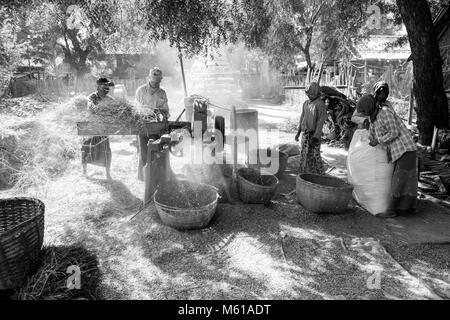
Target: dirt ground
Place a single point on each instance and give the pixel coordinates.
(279, 251)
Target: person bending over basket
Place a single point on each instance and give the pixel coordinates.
(96, 150)
(312, 119)
(388, 130)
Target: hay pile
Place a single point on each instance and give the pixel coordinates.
(32, 152)
(117, 110)
(74, 110)
(111, 111)
(50, 280)
(27, 106)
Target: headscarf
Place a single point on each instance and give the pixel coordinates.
(312, 91)
(155, 76)
(367, 107)
(381, 85)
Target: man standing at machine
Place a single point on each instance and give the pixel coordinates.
(151, 101)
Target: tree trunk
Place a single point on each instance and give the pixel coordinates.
(432, 109)
(308, 58)
(78, 55)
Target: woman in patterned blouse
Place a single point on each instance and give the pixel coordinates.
(388, 130)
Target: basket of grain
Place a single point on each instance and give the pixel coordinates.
(21, 238)
(186, 205)
(323, 194)
(254, 187)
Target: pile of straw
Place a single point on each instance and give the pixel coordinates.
(50, 280)
(107, 111)
(74, 110)
(32, 152)
(116, 111)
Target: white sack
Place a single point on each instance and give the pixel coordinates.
(370, 173)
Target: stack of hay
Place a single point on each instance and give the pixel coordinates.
(111, 111)
(116, 111)
(31, 152)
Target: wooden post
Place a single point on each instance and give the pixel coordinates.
(167, 174)
(180, 56)
(234, 145)
(308, 75)
(320, 73)
(411, 105)
(151, 172)
(435, 139)
(365, 71)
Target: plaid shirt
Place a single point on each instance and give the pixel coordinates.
(390, 131)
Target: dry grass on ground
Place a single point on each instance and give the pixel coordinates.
(33, 150)
(279, 251)
(50, 280)
(248, 252)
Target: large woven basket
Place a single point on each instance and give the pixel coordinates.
(282, 161)
(323, 194)
(186, 219)
(253, 193)
(21, 238)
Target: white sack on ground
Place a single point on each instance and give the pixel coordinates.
(370, 173)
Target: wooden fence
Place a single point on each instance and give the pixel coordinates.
(23, 87)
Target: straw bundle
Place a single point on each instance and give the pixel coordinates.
(50, 280)
(114, 111)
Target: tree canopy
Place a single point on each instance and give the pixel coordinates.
(288, 28)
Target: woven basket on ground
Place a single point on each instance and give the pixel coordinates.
(21, 238)
(282, 161)
(192, 218)
(254, 193)
(325, 194)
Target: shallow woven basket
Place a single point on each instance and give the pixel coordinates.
(323, 194)
(21, 238)
(253, 193)
(185, 219)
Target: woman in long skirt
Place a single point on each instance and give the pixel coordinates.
(97, 150)
(313, 116)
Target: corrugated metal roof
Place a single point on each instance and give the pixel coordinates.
(375, 49)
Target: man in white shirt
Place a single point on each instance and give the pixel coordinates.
(151, 100)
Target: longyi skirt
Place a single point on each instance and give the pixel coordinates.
(404, 183)
(310, 158)
(97, 151)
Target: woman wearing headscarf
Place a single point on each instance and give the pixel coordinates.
(313, 116)
(388, 130)
(381, 93)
